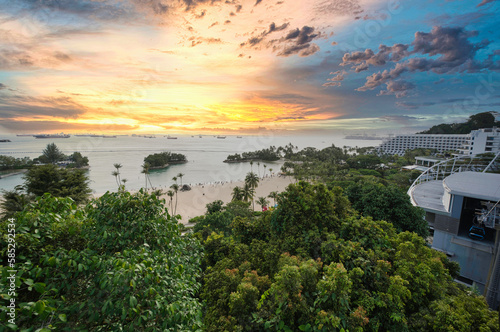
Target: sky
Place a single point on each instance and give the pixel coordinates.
(246, 66)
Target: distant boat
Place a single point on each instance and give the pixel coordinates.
(221, 137)
(5, 140)
(51, 136)
(239, 136)
(95, 135)
(199, 136)
(171, 137)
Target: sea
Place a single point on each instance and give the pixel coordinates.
(205, 155)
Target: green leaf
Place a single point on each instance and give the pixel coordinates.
(133, 301)
(39, 307)
(40, 287)
(63, 318)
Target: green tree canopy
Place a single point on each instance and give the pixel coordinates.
(387, 203)
(120, 263)
(58, 182)
(51, 154)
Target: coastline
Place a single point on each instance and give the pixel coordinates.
(192, 203)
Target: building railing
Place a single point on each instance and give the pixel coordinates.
(487, 162)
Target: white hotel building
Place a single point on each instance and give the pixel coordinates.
(478, 141)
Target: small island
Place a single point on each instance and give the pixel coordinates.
(269, 154)
(164, 159)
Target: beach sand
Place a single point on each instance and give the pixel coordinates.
(193, 203)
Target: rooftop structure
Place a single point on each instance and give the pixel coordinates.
(461, 199)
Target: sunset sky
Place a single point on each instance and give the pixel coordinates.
(238, 66)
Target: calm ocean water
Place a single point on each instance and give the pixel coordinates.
(205, 156)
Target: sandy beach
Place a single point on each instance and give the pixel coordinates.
(193, 203)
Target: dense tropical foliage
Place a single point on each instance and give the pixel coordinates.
(51, 179)
(119, 263)
(315, 264)
(163, 159)
(475, 121)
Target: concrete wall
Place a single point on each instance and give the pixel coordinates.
(474, 257)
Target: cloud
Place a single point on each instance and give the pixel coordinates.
(299, 42)
(400, 119)
(3, 86)
(484, 2)
(447, 50)
(15, 106)
(41, 126)
(104, 10)
(253, 41)
(399, 88)
(336, 80)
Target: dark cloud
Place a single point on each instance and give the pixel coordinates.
(213, 24)
(254, 41)
(448, 50)
(257, 2)
(3, 86)
(299, 42)
(238, 8)
(14, 106)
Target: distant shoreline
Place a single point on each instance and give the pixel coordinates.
(21, 171)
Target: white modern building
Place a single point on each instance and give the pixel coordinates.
(440, 142)
(482, 141)
(461, 199)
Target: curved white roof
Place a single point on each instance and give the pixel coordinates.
(474, 184)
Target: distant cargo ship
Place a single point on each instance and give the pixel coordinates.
(221, 137)
(95, 135)
(51, 136)
(171, 137)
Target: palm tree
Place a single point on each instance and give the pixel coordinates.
(145, 171)
(262, 201)
(237, 194)
(115, 174)
(248, 193)
(258, 168)
(175, 187)
(180, 175)
(252, 180)
(273, 195)
(271, 171)
(171, 194)
(264, 170)
(118, 166)
(251, 166)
